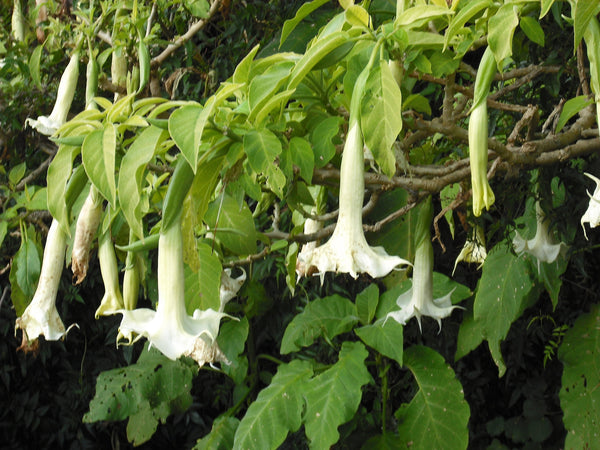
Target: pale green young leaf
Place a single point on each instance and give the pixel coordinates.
(546, 5)
(131, 175)
(570, 108)
(385, 336)
(438, 414)
(417, 15)
(583, 13)
(333, 396)
(242, 71)
(579, 394)
(261, 147)
(264, 86)
(501, 28)
(302, 12)
(34, 65)
(328, 317)
(366, 303)
(59, 172)
(303, 157)
(232, 225)
(186, 126)
(533, 30)
(98, 154)
(220, 436)
(202, 285)
(465, 14)
(276, 411)
(276, 180)
(381, 116)
(447, 196)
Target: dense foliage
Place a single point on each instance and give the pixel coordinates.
(265, 204)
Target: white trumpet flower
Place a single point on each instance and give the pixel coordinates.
(592, 214)
(347, 250)
(542, 246)
(112, 301)
(64, 98)
(41, 318)
(474, 250)
(229, 287)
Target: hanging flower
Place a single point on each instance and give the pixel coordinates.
(112, 301)
(592, 214)
(85, 230)
(64, 98)
(18, 22)
(347, 250)
(229, 287)
(41, 318)
(418, 301)
(542, 246)
(474, 250)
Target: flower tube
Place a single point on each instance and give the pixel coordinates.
(418, 301)
(41, 316)
(347, 250)
(112, 301)
(483, 196)
(170, 329)
(64, 98)
(85, 230)
(592, 214)
(542, 246)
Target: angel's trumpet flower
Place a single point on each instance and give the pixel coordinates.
(592, 214)
(112, 301)
(85, 230)
(474, 250)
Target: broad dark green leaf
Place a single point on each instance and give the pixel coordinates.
(579, 395)
(438, 414)
(232, 225)
(333, 396)
(220, 436)
(25, 271)
(366, 303)
(385, 336)
(533, 30)
(328, 316)
(276, 411)
(232, 341)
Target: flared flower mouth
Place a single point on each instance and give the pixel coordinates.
(592, 214)
(542, 246)
(474, 251)
(347, 251)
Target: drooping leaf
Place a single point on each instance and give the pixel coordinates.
(333, 396)
(59, 172)
(501, 30)
(387, 337)
(98, 154)
(438, 414)
(276, 411)
(131, 175)
(186, 126)
(220, 436)
(34, 65)
(381, 116)
(25, 271)
(202, 285)
(366, 303)
(263, 88)
(533, 30)
(232, 225)
(579, 394)
(570, 108)
(584, 11)
(328, 316)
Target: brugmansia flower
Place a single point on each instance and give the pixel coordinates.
(418, 301)
(41, 316)
(474, 250)
(170, 329)
(347, 250)
(64, 98)
(112, 301)
(18, 22)
(229, 287)
(85, 230)
(592, 214)
(542, 246)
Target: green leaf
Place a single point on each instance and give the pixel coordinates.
(3, 231)
(202, 285)
(501, 30)
(502, 296)
(242, 71)
(579, 394)
(417, 15)
(198, 8)
(34, 65)
(387, 441)
(385, 336)
(328, 317)
(470, 335)
(302, 12)
(584, 11)
(333, 397)
(232, 341)
(59, 172)
(465, 14)
(220, 436)
(438, 414)
(302, 157)
(98, 154)
(16, 173)
(146, 392)
(25, 271)
(546, 5)
(533, 30)
(232, 225)
(276, 411)
(131, 175)
(366, 303)
(381, 116)
(570, 108)
(443, 64)
(186, 126)
(321, 138)
(263, 88)
(261, 147)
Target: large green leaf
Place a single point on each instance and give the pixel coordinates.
(385, 336)
(277, 410)
(98, 154)
(501, 30)
(303, 157)
(202, 284)
(584, 11)
(366, 303)
(232, 225)
(263, 87)
(232, 341)
(333, 397)
(502, 295)
(438, 414)
(25, 271)
(57, 178)
(328, 317)
(381, 116)
(220, 436)
(579, 395)
(186, 126)
(131, 175)
(321, 137)
(147, 392)
(261, 147)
